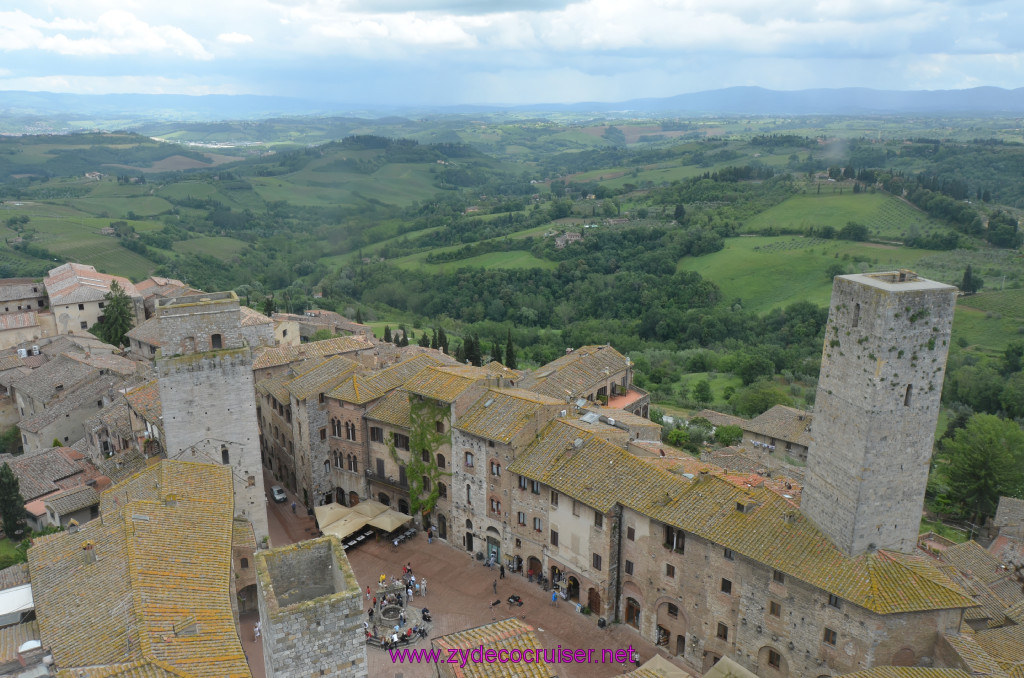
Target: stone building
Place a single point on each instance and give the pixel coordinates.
(876, 409)
(311, 611)
(76, 293)
(590, 373)
(22, 294)
(780, 431)
(207, 399)
(20, 327)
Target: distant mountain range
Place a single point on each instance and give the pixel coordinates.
(977, 101)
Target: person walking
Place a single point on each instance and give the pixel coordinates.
(408, 594)
(367, 591)
(554, 598)
(423, 587)
(293, 507)
(494, 585)
(502, 571)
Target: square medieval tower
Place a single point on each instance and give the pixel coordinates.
(876, 409)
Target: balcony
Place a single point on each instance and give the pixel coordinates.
(400, 483)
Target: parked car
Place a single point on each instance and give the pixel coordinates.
(277, 492)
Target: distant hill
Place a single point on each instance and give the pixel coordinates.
(978, 101)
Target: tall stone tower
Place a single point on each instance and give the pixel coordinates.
(876, 409)
(207, 397)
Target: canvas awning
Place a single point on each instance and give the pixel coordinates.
(389, 521)
(370, 508)
(346, 526)
(330, 513)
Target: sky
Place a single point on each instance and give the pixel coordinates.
(445, 52)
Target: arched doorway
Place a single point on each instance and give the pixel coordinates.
(680, 645)
(403, 506)
(247, 601)
(664, 636)
(633, 613)
(384, 499)
(594, 601)
(533, 566)
(353, 498)
(572, 586)
(469, 535)
(442, 527)
(493, 544)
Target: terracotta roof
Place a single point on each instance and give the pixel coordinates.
(275, 387)
(10, 362)
(12, 637)
(601, 474)
(315, 349)
(122, 466)
(15, 575)
(250, 317)
(504, 634)
(106, 361)
(575, 373)
(77, 283)
(56, 376)
(38, 472)
(501, 413)
(148, 332)
(1005, 645)
(75, 499)
(970, 557)
(446, 382)
(321, 378)
(12, 289)
(722, 419)
(393, 409)
(17, 320)
(145, 400)
(907, 672)
(977, 660)
(83, 396)
(360, 389)
(783, 423)
(1010, 512)
(114, 418)
(161, 580)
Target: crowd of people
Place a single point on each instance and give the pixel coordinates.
(398, 592)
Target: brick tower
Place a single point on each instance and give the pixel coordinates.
(876, 409)
(207, 397)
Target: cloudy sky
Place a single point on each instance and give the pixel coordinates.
(504, 51)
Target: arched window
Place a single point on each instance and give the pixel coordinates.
(425, 456)
(442, 490)
(469, 494)
(216, 341)
(245, 563)
(856, 315)
(909, 393)
(426, 484)
(327, 466)
(225, 458)
(355, 464)
(440, 461)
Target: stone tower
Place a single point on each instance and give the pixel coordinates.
(876, 409)
(207, 397)
(311, 611)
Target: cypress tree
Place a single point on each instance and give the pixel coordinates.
(433, 339)
(12, 504)
(424, 340)
(387, 333)
(359, 316)
(510, 353)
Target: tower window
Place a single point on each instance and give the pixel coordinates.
(856, 315)
(225, 458)
(216, 341)
(906, 398)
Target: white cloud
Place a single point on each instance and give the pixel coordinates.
(90, 84)
(235, 38)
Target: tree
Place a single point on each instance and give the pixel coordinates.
(1012, 397)
(680, 213)
(970, 283)
(269, 307)
(510, 353)
(1013, 357)
(702, 392)
(986, 461)
(752, 400)
(387, 333)
(118, 316)
(10, 441)
(359, 316)
(12, 504)
(728, 435)
(424, 340)
(404, 341)
(321, 334)
(474, 355)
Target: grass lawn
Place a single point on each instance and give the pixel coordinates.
(216, 246)
(513, 259)
(771, 272)
(8, 547)
(943, 530)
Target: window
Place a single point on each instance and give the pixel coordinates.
(380, 467)
(495, 469)
(554, 538)
(774, 609)
(723, 631)
(322, 398)
(355, 464)
(539, 525)
(675, 539)
(830, 636)
(426, 483)
(442, 490)
(522, 482)
(833, 600)
(440, 461)
(376, 434)
(469, 459)
(521, 518)
(778, 577)
(856, 315)
(495, 506)
(469, 494)
(327, 467)
(425, 456)
(323, 433)
(439, 426)
(670, 570)
(225, 458)
(598, 520)
(906, 398)
(726, 586)
(630, 534)
(597, 561)
(554, 499)
(101, 306)
(245, 563)
(216, 341)
(84, 325)
(350, 430)
(774, 659)
(81, 307)
(535, 486)
(575, 507)
(729, 555)
(673, 611)
(401, 441)
(629, 567)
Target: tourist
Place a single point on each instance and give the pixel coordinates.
(495, 585)
(369, 613)
(423, 587)
(554, 598)
(408, 593)
(367, 591)
(502, 570)
(401, 618)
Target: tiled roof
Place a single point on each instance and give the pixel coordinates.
(250, 317)
(85, 395)
(162, 559)
(10, 362)
(970, 557)
(1010, 512)
(114, 418)
(12, 637)
(17, 320)
(321, 378)
(38, 472)
(148, 332)
(106, 361)
(783, 423)
(12, 289)
(122, 466)
(80, 343)
(601, 474)
(575, 373)
(69, 501)
(393, 409)
(360, 389)
(1005, 645)
(275, 387)
(501, 413)
(76, 283)
(15, 575)
(58, 375)
(315, 349)
(977, 660)
(504, 634)
(145, 400)
(445, 383)
(722, 419)
(907, 672)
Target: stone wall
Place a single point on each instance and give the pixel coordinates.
(188, 324)
(876, 409)
(311, 611)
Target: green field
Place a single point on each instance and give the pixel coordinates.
(886, 216)
(395, 184)
(219, 247)
(513, 259)
(1006, 302)
(772, 272)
